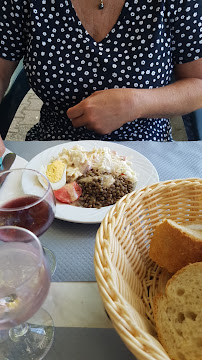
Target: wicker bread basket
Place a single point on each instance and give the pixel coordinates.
(126, 277)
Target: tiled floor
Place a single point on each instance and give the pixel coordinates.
(28, 115)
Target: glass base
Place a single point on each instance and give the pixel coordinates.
(51, 260)
(32, 344)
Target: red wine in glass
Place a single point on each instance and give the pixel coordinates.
(26, 203)
(36, 218)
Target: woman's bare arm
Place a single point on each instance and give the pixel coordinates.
(181, 97)
(107, 110)
(7, 68)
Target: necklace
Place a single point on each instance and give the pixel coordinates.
(101, 5)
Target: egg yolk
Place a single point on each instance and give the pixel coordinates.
(55, 171)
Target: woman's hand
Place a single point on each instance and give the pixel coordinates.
(2, 147)
(107, 110)
(104, 111)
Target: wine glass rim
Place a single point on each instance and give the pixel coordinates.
(10, 227)
(41, 198)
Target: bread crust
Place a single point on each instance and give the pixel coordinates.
(173, 246)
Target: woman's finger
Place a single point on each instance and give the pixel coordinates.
(75, 111)
(79, 121)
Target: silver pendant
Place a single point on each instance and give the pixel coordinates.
(101, 5)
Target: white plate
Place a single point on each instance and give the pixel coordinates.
(144, 169)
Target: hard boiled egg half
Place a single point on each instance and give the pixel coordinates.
(56, 174)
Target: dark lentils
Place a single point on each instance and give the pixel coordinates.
(94, 195)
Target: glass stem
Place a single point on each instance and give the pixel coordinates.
(3, 335)
(16, 332)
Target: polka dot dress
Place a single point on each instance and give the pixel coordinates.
(65, 65)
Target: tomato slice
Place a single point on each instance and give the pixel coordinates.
(62, 195)
(68, 193)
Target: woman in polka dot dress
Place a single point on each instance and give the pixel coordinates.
(104, 69)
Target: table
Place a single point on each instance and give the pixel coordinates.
(82, 328)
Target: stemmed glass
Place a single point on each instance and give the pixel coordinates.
(24, 285)
(26, 203)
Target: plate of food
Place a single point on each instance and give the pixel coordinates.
(89, 176)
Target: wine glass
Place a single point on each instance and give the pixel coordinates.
(24, 285)
(26, 203)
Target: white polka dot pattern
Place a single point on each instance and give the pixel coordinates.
(65, 65)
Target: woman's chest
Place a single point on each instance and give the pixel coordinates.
(64, 59)
(57, 29)
(98, 17)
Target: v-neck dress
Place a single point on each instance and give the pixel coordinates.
(65, 65)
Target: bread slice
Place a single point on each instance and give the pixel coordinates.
(174, 246)
(178, 314)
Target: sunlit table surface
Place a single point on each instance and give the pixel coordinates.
(82, 328)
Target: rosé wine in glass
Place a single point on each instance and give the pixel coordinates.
(24, 285)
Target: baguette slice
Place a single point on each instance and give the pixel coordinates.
(174, 246)
(178, 314)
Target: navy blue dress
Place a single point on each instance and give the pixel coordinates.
(65, 65)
